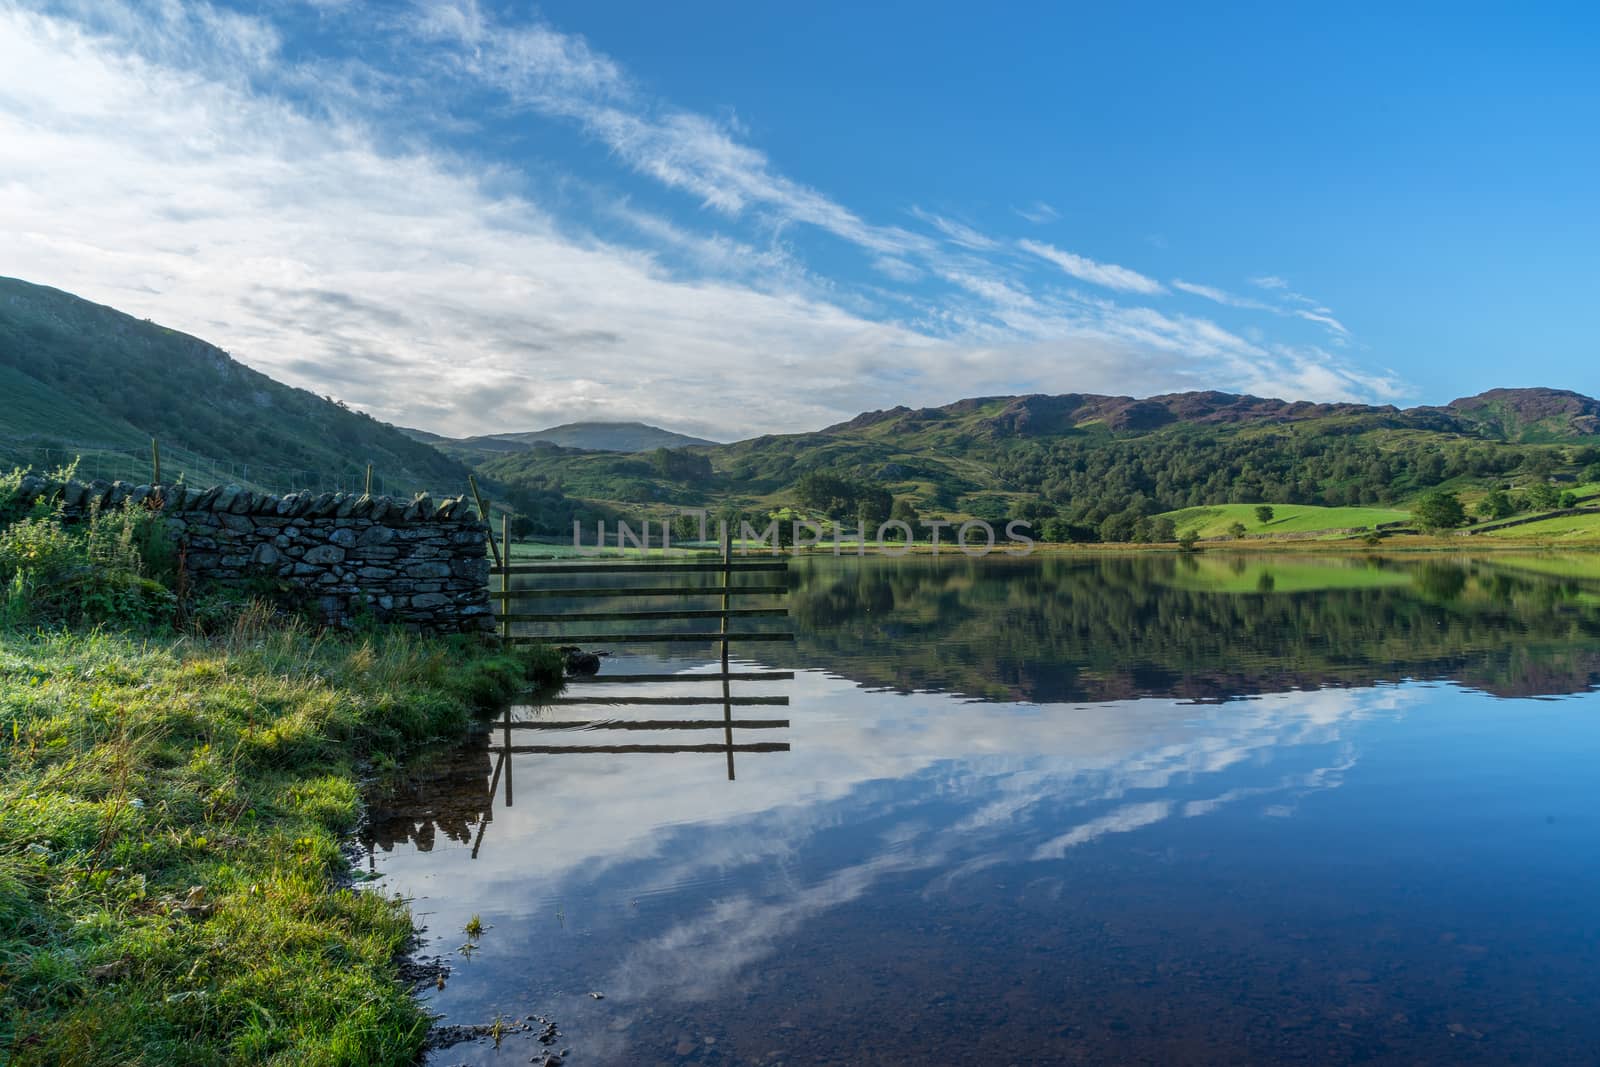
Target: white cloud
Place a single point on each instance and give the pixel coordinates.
(958, 233)
(1038, 212)
(172, 162)
(1321, 315)
(1310, 310)
(1106, 274)
(1219, 296)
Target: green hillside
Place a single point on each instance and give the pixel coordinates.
(1585, 527)
(80, 378)
(1218, 520)
(1108, 468)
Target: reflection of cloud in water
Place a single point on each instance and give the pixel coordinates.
(949, 788)
(1089, 761)
(1126, 818)
(588, 813)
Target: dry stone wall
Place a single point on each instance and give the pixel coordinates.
(416, 562)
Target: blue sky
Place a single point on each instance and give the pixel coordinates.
(740, 218)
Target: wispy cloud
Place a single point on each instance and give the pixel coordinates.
(1107, 274)
(560, 76)
(1038, 212)
(1320, 315)
(318, 216)
(1307, 308)
(1219, 296)
(958, 233)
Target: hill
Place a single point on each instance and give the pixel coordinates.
(1102, 464)
(84, 379)
(627, 437)
(1531, 414)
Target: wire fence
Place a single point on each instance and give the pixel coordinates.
(102, 462)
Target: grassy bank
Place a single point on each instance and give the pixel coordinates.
(1218, 520)
(171, 880)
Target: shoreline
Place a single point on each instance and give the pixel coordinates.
(174, 865)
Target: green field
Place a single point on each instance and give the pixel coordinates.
(1563, 528)
(1214, 521)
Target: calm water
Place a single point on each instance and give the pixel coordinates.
(1130, 811)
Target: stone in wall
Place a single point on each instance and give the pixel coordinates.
(415, 562)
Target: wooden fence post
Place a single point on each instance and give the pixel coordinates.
(488, 520)
(505, 601)
(727, 604)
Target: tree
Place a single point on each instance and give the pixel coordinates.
(1582, 457)
(1497, 505)
(1543, 495)
(1187, 539)
(873, 507)
(1569, 499)
(1120, 527)
(1264, 513)
(1237, 530)
(682, 466)
(1541, 461)
(1060, 531)
(1439, 510)
(905, 511)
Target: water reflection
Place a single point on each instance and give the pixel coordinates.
(1390, 872)
(1198, 627)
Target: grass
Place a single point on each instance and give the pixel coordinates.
(1563, 528)
(1215, 520)
(172, 886)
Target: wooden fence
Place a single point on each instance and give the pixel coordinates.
(674, 593)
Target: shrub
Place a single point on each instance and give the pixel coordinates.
(1543, 495)
(1497, 505)
(91, 572)
(1439, 511)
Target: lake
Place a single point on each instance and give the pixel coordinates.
(1138, 810)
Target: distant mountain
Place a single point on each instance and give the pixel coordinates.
(1105, 462)
(79, 378)
(1532, 414)
(588, 436)
(1513, 415)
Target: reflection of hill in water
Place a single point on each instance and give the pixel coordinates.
(1063, 629)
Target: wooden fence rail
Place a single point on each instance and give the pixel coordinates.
(518, 606)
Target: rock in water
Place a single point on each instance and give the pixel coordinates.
(581, 662)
